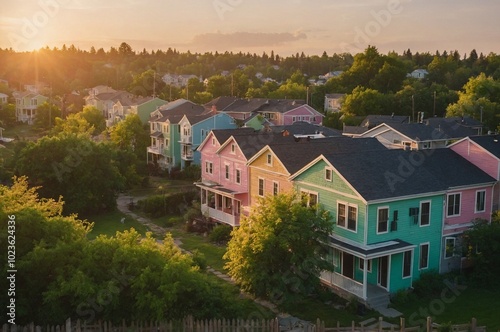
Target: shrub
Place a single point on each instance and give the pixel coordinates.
(161, 205)
(402, 296)
(199, 259)
(221, 234)
(429, 284)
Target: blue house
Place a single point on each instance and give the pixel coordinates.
(194, 129)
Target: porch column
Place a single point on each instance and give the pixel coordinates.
(365, 279)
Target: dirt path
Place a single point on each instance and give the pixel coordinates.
(122, 205)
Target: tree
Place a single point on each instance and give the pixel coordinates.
(74, 167)
(7, 114)
(46, 115)
(219, 85)
(276, 253)
(364, 101)
(95, 118)
(479, 100)
(130, 133)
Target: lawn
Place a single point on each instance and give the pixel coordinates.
(110, 223)
(161, 185)
(482, 304)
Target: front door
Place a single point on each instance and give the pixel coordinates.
(383, 270)
(348, 265)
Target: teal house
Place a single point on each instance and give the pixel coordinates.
(388, 208)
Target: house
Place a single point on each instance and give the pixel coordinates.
(301, 129)
(224, 173)
(372, 121)
(418, 73)
(3, 98)
(271, 167)
(104, 98)
(194, 128)
(484, 152)
(387, 207)
(164, 151)
(419, 136)
(27, 104)
(333, 102)
(177, 80)
(286, 112)
(142, 106)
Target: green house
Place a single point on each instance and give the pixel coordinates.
(387, 207)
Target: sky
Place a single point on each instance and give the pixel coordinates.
(255, 26)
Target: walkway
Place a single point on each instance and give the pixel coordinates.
(122, 205)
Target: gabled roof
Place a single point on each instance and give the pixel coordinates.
(250, 143)
(372, 121)
(296, 153)
(455, 127)
(221, 103)
(378, 175)
(222, 135)
(489, 142)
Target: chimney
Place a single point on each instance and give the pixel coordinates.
(213, 109)
(285, 133)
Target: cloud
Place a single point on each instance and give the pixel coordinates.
(234, 40)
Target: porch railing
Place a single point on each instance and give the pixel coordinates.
(233, 220)
(343, 282)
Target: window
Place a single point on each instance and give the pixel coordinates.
(449, 247)
(453, 205)
(202, 134)
(226, 169)
(328, 174)
(362, 265)
(480, 201)
(208, 167)
(238, 176)
(426, 145)
(213, 141)
(382, 220)
(293, 119)
(424, 256)
(269, 159)
(261, 187)
(276, 188)
(347, 216)
(425, 213)
(309, 198)
(407, 264)
(233, 148)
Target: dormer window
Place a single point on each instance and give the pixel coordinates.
(233, 148)
(269, 159)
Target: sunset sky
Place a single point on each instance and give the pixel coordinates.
(285, 26)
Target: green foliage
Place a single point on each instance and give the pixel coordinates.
(161, 205)
(62, 274)
(482, 245)
(430, 284)
(131, 134)
(74, 167)
(7, 115)
(445, 327)
(276, 252)
(46, 115)
(402, 296)
(365, 101)
(220, 234)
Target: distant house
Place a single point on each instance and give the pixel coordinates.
(3, 98)
(27, 104)
(5, 82)
(418, 73)
(333, 102)
(142, 106)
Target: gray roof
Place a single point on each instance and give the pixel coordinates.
(455, 127)
(305, 128)
(489, 143)
(395, 173)
(296, 153)
(372, 121)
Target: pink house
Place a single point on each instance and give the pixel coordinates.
(484, 152)
(224, 184)
(287, 112)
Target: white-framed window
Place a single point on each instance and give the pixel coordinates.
(425, 213)
(362, 265)
(276, 188)
(347, 216)
(382, 220)
(208, 167)
(294, 119)
(309, 198)
(233, 148)
(237, 176)
(449, 247)
(424, 256)
(453, 205)
(480, 201)
(269, 159)
(261, 187)
(226, 171)
(328, 174)
(407, 264)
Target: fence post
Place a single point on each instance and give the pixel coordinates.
(429, 324)
(353, 325)
(402, 324)
(68, 325)
(473, 325)
(380, 320)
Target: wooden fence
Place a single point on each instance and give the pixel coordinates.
(218, 325)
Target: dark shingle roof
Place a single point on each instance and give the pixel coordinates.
(222, 135)
(490, 143)
(396, 173)
(305, 128)
(295, 154)
(372, 121)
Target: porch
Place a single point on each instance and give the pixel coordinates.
(220, 204)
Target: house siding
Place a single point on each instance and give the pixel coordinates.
(207, 154)
(478, 156)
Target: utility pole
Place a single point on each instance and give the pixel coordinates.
(413, 108)
(434, 113)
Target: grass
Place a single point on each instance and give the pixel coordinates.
(109, 224)
(160, 185)
(213, 253)
(480, 303)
